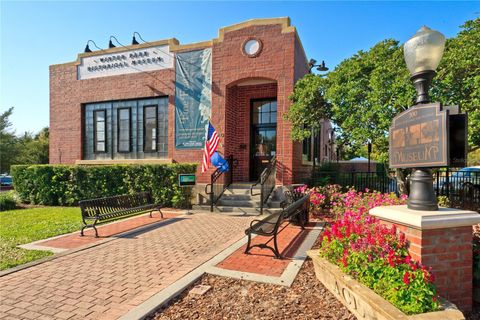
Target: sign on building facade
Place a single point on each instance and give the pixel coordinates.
(132, 61)
(193, 97)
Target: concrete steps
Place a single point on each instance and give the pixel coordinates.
(237, 211)
(237, 200)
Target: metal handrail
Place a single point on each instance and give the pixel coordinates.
(267, 182)
(217, 190)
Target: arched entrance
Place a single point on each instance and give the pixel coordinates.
(251, 125)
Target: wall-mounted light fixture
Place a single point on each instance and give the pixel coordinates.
(110, 43)
(134, 40)
(87, 48)
(320, 67)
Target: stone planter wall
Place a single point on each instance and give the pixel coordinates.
(442, 240)
(363, 302)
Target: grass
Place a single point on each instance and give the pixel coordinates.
(26, 225)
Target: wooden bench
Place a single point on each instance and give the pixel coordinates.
(271, 225)
(108, 208)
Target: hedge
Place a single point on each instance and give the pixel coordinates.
(65, 185)
(7, 201)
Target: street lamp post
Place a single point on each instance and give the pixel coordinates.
(423, 53)
(369, 149)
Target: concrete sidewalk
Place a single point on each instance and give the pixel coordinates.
(106, 281)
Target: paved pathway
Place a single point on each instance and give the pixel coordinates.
(263, 261)
(106, 281)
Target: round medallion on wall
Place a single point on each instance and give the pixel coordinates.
(252, 47)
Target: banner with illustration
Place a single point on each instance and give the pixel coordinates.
(193, 97)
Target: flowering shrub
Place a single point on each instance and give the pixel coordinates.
(375, 255)
(476, 252)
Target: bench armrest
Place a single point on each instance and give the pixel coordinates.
(261, 221)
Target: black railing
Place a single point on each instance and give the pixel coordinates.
(460, 185)
(379, 181)
(219, 182)
(267, 183)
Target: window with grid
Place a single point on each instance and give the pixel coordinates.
(150, 122)
(124, 130)
(264, 112)
(100, 138)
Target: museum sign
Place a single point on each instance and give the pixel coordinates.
(427, 135)
(132, 61)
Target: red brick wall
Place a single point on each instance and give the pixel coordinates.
(238, 125)
(449, 253)
(302, 172)
(67, 94)
(278, 61)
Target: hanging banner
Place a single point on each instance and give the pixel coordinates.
(193, 97)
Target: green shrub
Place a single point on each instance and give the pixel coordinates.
(68, 184)
(7, 201)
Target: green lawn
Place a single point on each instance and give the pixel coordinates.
(26, 225)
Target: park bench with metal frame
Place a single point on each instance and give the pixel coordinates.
(272, 224)
(109, 208)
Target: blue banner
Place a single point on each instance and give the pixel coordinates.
(193, 97)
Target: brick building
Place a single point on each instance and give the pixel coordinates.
(149, 102)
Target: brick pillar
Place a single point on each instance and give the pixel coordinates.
(442, 240)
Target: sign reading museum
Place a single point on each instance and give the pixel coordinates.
(133, 61)
(418, 137)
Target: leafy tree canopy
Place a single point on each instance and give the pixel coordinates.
(365, 92)
(24, 149)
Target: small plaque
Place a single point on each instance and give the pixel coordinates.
(200, 289)
(419, 136)
(186, 180)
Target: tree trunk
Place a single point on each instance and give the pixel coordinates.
(401, 181)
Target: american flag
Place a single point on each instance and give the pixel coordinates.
(211, 144)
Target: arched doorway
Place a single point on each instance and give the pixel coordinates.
(251, 125)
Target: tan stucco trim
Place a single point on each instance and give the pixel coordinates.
(175, 45)
(192, 46)
(170, 42)
(123, 161)
(283, 21)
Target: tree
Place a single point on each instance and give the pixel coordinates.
(34, 149)
(25, 149)
(8, 142)
(367, 90)
(308, 107)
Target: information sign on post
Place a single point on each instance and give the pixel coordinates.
(187, 181)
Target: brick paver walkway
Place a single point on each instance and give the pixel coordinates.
(74, 240)
(263, 261)
(106, 281)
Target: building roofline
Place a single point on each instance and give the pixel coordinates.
(174, 44)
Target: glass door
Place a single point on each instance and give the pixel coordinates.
(264, 135)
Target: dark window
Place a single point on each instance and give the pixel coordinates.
(124, 130)
(100, 132)
(264, 112)
(150, 128)
(312, 142)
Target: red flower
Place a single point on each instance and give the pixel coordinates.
(406, 278)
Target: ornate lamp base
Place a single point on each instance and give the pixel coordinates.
(422, 196)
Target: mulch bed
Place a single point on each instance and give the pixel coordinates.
(229, 298)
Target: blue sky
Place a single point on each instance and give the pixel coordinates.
(35, 35)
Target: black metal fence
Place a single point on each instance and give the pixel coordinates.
(461, 186)
(267, 183)
(379, 181)
(219, 182)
